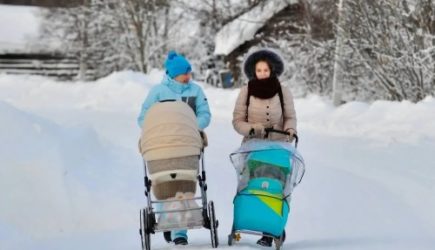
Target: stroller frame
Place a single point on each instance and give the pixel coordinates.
(147, 215)
(279, 240)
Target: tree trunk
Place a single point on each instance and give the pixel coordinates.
(338, 70)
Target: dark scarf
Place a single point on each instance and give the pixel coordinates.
(264, 88)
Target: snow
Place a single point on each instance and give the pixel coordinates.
(71, 174)
(18, 27)
(246, 26)
(411, 5)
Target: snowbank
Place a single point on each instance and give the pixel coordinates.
(381, 121)
(71, 174)
(56, 181)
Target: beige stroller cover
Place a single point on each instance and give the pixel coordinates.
(171, 145)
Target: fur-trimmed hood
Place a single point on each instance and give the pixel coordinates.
(275, 61)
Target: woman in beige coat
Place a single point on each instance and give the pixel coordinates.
(264, 102)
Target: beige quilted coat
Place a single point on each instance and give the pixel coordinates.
(265, 111)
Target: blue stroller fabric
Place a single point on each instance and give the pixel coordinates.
(261, 207)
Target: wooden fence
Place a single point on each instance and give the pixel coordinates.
(56, 66)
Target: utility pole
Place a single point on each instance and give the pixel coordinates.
(337, 82)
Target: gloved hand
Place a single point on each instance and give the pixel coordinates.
(257, 129)
(204, 138)
(291, 132)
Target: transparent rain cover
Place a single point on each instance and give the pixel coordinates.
(289, 178)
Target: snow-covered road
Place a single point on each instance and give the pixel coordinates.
(71, 177)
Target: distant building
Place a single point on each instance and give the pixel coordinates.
(264, 23)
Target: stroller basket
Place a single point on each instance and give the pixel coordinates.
(178, 214)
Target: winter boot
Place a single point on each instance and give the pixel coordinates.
(167, 236)
(180, 241)
(265, 241)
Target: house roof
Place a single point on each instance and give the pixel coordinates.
(244, 28)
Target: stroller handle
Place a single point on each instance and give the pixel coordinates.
(272, 130)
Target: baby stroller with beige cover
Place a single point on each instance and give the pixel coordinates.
(173, 152)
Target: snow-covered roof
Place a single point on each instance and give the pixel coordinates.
(244, 28)
(19, 28)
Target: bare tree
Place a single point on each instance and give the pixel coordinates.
(308, 46)
(110, 35)
(71, 26)
(143, 35)
(395, 45)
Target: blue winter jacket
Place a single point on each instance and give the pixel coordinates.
(169, 89)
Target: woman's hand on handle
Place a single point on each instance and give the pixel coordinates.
(257, 129)
(290, 134)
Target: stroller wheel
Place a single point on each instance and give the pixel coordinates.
(278, 244)
(230, 239)
(213, 225)
(232, 236)
(279, 241)
(145, 229)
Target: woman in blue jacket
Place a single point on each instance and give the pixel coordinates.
(177, 85)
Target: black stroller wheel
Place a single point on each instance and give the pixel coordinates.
(279, 241)
(213, 225)
(278, 244)
(231, 236)
(145, 230)
(230, 239)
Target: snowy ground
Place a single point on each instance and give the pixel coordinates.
(71, 175)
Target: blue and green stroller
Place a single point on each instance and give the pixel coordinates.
(267, 171)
